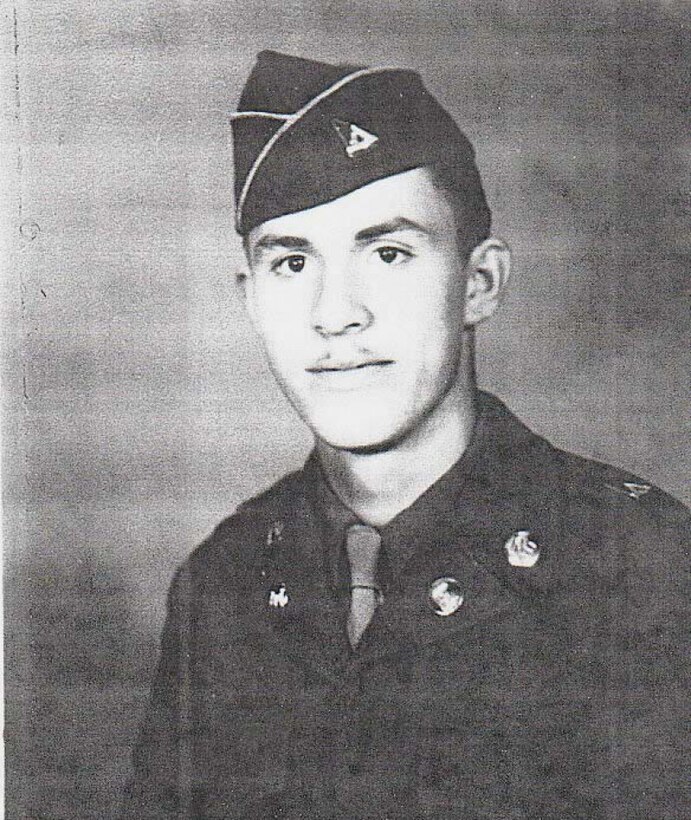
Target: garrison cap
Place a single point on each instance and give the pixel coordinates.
(307, 132)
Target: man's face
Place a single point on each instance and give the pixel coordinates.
(359, 303)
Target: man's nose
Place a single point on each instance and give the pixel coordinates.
(339, 307)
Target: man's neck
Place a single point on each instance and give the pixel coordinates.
(377, 486)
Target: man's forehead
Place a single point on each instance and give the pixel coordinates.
(404, 202)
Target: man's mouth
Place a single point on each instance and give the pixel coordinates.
(348, 365)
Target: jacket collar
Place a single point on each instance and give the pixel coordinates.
(456, 529)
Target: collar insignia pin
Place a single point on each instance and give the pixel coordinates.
(353, 137)
(521, 551)
(445, 596)
(278, 597)
(275, 534)
(636, 490)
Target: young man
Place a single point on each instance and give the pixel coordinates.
(441, 615)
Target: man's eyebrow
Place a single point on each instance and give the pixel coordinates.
(270, 241)
(398, 224)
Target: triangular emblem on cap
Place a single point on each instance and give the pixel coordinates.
(353, 137)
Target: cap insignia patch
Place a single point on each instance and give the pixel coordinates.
(353, 137)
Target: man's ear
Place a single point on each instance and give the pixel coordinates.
(244, 285)
(487, 273)
(241, 278)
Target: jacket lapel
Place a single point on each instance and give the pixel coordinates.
(459, 530)
(408, 622)
(302, 614)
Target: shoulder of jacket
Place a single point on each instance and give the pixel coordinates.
(601, 528)
(611, 526)
(571, 490)
(618, 493)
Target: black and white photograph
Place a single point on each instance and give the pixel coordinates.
(345, 400)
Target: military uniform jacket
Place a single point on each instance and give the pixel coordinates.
(558, 689)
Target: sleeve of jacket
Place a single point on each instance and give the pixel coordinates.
(648, 665)
(161, 783)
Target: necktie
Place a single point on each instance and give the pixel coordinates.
(362, 546)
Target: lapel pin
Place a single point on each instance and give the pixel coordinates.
(521, 551)
(275, 534)
(278, 597)
(445, 596)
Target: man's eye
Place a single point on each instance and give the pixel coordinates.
(289, 264)
(392, 256)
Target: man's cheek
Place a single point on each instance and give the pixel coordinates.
(278, 334)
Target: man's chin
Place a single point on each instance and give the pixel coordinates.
(363, 439)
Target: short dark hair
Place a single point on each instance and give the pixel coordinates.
(467, 198)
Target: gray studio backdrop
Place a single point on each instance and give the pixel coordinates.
(137, 411)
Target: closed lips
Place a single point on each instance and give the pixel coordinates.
(338, 367)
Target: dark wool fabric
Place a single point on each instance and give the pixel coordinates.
(309, 163)
(558, 690)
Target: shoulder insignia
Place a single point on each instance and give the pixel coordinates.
(631, 489)
(636, 490)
